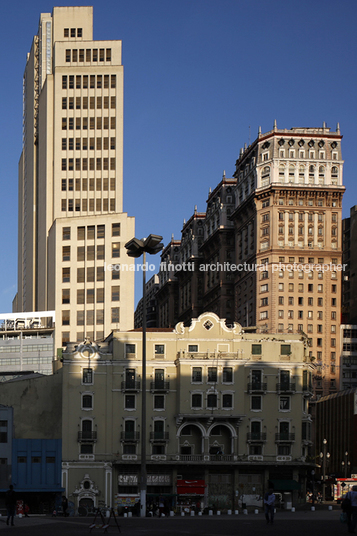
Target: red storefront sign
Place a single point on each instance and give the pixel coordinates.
(191, 487)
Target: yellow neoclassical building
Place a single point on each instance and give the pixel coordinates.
(227, 415)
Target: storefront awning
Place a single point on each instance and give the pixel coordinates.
(191, 487)
(285, 485)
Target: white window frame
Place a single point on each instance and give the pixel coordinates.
(153, 403)
(196, 393)
(232, 395)
(87, 393)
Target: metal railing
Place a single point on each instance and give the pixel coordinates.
(129, 436)
(257, 387)
(286, 387)
(84, 436)
(160, 385)
(159, 436)
(131, 385)
(256, 436)
(285, 436)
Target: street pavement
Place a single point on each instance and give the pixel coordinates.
(322, 522)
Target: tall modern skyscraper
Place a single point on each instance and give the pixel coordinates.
(71, 220)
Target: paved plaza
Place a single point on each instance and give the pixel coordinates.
(321, 522)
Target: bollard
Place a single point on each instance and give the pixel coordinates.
(229, 512)
(256, 511)
(192, 513)
(163, 515)
(218, 512)
(172, 513)
(245, 512)
(293, 509)
(182, 513)
(200, 513)
(312, 508)
(125, 514)
(236, 512)
(330, 507)
(130, 514)
(210, 512)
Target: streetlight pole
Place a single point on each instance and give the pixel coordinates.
(324, 456)
(135, 248)
(346, 464)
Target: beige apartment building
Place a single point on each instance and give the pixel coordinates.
(227, 416)
(71, 220)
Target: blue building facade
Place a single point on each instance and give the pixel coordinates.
(36, 472)
(36, 464)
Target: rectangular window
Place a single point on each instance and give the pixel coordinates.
(115, 229)
(80, 318)
(197, 375)
(116, 250)
(66, 253)
(100, 295)
(256, 402)
(159, 349)
(65, 318)
(80, 275)
(227, 375)
(159, 402)
(87, 376)
(65, 295)
(196, 400)
(256, 349)
(66, 275)
(100, 273)
(284, 403)
(212, 374)
(115, 315)
(130, 349)
(116, 293)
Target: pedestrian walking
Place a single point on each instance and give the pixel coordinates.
(352, 511)
(269, 501)
(10, 503)
(64, 506)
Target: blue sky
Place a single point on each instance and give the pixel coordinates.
(198, 74)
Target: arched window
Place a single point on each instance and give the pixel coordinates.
(321, 175)
(334, 175)
(301, 174)
(266, 176)
(291, 173)
(311, 174)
